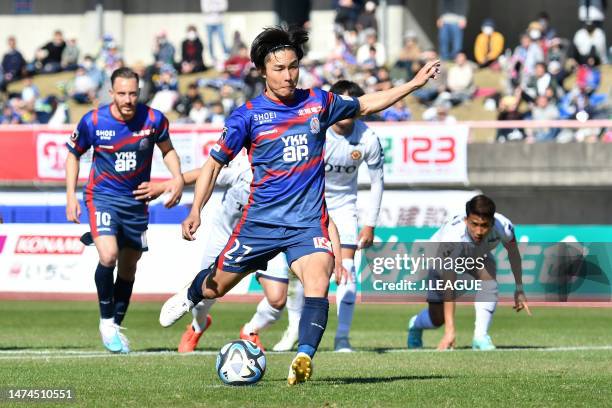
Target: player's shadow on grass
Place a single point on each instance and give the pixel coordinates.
(376, 380)
(15, 348)
(521, 347)
(158, 349)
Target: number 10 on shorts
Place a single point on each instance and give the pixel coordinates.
(103, 218)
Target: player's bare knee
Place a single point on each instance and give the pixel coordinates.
(316, 286)
(108, 259)
(278, 302)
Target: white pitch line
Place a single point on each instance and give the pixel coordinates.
(79, 354)
(569, 348)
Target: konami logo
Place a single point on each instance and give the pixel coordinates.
(49, 245)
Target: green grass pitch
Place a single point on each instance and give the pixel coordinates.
(558, 357)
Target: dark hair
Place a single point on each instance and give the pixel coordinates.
(124, 72)
(343, 86)
(480, 205)
(543, 15)
(272, 39)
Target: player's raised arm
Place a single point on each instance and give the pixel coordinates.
(378, 101)
(203, 190)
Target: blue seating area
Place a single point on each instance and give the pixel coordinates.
(56, 214)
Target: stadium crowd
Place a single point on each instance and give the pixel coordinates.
(535, 72)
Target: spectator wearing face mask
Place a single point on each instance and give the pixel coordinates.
(535, 32)
(192, 59)
(489, 44)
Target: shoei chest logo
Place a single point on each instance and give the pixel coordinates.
(2, 242)
(49, 245)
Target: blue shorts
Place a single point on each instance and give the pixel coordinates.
(124, 218)
(253, 244)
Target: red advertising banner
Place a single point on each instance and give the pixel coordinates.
(414, 153)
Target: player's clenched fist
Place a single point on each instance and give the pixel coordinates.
(190, 226)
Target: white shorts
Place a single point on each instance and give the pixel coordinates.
(218, 227)
(345, 219)
(277, 269)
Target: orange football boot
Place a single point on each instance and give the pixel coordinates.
(189, 340)
(253, 337)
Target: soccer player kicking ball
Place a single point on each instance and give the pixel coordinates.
(237, 179)
(349, 142)
(122, 135)
(482, 229)
(284, 131)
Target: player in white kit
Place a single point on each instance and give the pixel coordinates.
(236, 178)
(482, 229)
(348, 143)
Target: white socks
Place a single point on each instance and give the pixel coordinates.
(345, 300)
(485, 307)
(295, 303)
(200, 312)
(263, 317)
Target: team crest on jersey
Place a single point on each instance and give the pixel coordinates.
(315, 126)
(355, 155)
(144, 144)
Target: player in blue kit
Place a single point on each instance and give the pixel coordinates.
(122, 135)
(284, 132)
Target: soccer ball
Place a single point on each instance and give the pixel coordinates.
(241, 362)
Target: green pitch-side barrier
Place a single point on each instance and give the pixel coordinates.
(580, 268)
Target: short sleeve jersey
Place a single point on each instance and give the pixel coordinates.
(455, 230)
(286, 146)
(343, 156)
(123, 151)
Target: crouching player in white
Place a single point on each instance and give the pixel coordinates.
(483, 229)
(348, 143)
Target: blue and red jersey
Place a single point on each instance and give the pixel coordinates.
(123, 151)
(286, 149)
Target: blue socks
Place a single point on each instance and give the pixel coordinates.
(312, 324)
(423, 320)
(194, 293)
(104, 285)
(123, 292)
